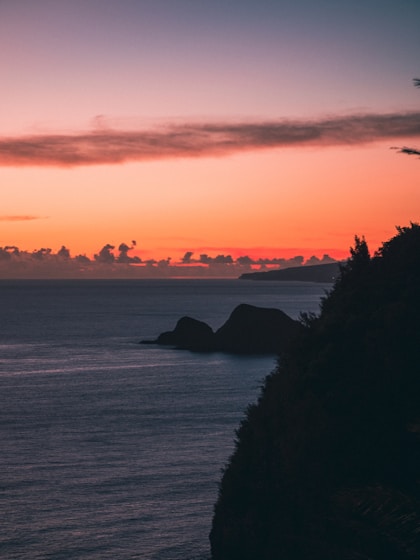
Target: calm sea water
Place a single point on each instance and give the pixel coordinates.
(111, 449)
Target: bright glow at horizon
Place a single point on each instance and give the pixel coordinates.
(251, 143)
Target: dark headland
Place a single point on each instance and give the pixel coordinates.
(327, 462)
(310, 273)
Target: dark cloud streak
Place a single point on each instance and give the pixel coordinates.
(200, 140)
(19, 218)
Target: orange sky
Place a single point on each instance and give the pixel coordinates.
(263, 131)
(309, 200)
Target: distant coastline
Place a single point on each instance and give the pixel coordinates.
(312, 273)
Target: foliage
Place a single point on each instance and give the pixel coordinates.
(340, 412)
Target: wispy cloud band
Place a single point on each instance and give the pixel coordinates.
(111, 146)
(19, 218)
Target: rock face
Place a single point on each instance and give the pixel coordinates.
(189, 334)
(255, 330)
(249, 330)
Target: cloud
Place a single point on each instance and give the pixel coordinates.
(186, 259)
(219, 259)
(110, 146)
(19, 218)
(44, 263)
(105, 255)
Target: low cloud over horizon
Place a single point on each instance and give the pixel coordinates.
(116, 262)
(112, 146)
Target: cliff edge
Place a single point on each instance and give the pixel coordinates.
(327, 462)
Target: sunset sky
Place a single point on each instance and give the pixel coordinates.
(258, 128)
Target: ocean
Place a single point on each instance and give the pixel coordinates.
(111, 449)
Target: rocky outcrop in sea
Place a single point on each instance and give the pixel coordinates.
(248, 330)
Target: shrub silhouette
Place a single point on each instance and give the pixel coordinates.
(326, 463)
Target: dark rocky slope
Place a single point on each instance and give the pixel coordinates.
(249, 330)
(189, 334)
(327, 463)
(255, 330)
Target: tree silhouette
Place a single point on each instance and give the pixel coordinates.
(326, 463)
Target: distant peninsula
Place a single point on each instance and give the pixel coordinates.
(310, 273)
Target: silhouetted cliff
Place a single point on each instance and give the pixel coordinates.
(327, 463)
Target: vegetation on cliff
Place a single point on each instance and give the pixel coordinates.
(327, 463)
